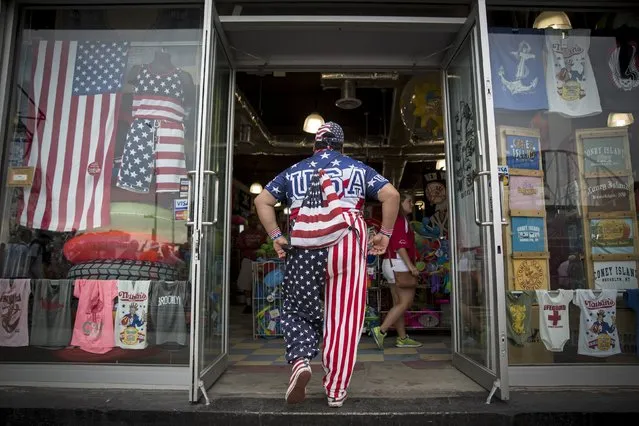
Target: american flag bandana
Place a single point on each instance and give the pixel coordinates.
(321, 221)
(331, 134)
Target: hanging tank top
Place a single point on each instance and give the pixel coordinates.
(158, 96)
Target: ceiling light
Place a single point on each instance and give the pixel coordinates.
(255, 188)
(555, 20)
(441, 164)
(620, 119)
(313, 123)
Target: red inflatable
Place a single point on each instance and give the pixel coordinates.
(118, 245)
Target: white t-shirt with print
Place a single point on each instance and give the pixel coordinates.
(131, 330)
(598, 335)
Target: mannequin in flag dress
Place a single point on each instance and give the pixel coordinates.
(336, 273)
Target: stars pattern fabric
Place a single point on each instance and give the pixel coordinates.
(99, 67)
(155, 140)
(302, 311)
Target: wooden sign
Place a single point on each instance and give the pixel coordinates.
(530, 274)
(608, 194)
(612, 236)
(526, 193)
(619, 275)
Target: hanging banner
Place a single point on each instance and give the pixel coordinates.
(618, 275)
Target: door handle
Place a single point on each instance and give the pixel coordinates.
(189, 175)
(476, 198)
(216, 199)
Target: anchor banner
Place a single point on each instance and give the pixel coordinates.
(518, 69)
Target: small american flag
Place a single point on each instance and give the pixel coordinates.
(75, 92)
(321, 221)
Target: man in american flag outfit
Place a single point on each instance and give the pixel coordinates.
(338, 270)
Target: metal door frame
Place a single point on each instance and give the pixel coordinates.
(203, 378)
(475, 32)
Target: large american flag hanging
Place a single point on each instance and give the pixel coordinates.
(75, 100)
(321, 221)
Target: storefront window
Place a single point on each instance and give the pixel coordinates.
(566, 91)
(94, 248)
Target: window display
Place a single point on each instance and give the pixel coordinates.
(103, 129)
(569, 191)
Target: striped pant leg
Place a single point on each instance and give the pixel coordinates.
(302, 305)
(170, 162)
(345, 307)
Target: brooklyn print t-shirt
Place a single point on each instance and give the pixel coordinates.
(131, 317)
(598, 335)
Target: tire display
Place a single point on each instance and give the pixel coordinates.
(123, 270)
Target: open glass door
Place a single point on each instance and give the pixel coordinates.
(211, 218)
(479, 335)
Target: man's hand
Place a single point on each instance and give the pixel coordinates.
(277, 245)
(379, 244)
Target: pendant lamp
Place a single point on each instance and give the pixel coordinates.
(553, 19)
(255, 188)
(313, 122)
(620, 119)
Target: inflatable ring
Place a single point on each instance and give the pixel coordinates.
(119, 245)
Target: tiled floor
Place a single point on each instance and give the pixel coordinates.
(247, 351)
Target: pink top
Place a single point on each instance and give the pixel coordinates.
(93, 329)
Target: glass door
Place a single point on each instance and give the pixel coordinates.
(211, 218)
(479, 335)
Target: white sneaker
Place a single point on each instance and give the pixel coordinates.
(335, 402)
(300, 377)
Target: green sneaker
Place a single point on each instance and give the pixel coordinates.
(407, 342)
(378, 336)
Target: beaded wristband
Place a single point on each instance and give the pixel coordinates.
(275, 233)
(386, 231)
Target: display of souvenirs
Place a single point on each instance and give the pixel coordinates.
(604, 151)
(523, 151)
(526, 193)
(631, 298)
(93, 329)
(14, 312)
(168, 303)
(612, 236)
(528, 234)
(609, 194)
(570, 80)
(518, 313)
(598, 335)
(530, 274)
(554, 324)
(516, 59)
(51, 321)
(617, 275)
(131, 329)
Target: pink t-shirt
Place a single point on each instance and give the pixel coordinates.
(93, 329)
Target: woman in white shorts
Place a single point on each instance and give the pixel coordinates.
(400, 257)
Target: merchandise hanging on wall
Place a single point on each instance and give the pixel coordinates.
(14, 312)
(554, 323)
(516, 57)
(598, 336)
(571, 85)
(169, 302)
(93, 330)
(526, 235)
(608, 207)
